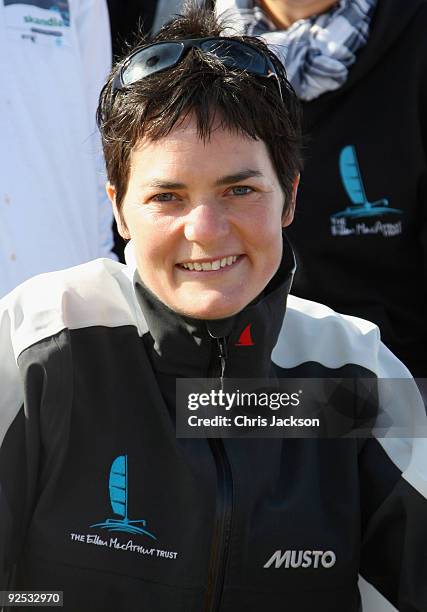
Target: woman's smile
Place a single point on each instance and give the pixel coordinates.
(219, 264)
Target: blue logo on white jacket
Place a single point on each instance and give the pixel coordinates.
(118, 486)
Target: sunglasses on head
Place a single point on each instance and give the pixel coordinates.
(162, 55)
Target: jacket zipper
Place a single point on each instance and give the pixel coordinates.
(222, 347)
(222, 529)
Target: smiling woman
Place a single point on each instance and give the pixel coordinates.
(203, 193)
(208, 245)
(99, 496)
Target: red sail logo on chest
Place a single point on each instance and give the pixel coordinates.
(245, 338)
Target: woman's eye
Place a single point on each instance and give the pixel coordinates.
(164, 197)
(241, 190)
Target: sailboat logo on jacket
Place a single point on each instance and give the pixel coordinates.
(118, 487)
(245, 338)
(353, 184)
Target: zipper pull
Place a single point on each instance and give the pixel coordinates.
(222, 347)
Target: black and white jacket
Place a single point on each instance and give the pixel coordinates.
(88, 365)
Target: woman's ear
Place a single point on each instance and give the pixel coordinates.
(288, 216)
(121, 224)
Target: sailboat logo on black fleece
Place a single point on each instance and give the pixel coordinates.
(118, 488)
(353, 184)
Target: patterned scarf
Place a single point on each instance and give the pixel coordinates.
(317, 51)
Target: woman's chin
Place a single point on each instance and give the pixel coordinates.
(210, 309)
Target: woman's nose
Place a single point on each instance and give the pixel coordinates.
(206, 223)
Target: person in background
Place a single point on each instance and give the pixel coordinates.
(54, 213)
(360, 231)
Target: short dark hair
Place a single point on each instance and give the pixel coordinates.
(201, 85)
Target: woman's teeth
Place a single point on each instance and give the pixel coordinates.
(210, 265)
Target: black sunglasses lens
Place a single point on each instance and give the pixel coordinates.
(152, 59)
(237, 55)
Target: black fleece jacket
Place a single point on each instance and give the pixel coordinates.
(360, 229)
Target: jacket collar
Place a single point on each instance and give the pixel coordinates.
(185, 347)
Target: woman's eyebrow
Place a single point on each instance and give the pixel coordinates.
(238, 176)
(161, 184)
(223, 180)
